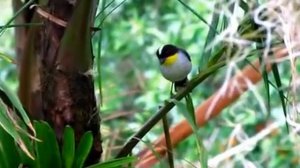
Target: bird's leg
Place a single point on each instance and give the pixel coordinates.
(171, 90)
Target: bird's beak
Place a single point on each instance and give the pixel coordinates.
(162, 60)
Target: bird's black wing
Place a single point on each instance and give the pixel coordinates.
(186, 54)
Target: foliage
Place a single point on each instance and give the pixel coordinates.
(47, 153)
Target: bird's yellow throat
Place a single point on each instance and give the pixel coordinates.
(170, 60)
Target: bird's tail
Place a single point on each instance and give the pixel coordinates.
(181, 84)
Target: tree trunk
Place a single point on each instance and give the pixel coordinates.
(61, 97)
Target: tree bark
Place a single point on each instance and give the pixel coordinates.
(65, 98)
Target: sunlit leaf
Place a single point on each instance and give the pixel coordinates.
(17, 104)
(7, 58)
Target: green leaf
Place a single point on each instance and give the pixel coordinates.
(267, 87)
(216, 56)
(28, 140)
(7, 58)
(25, 148)
(191, 110)
(99, 51)
(17, 104)
(26, 160)
(261, 46)
(83, 149)
(68, 148)
(206, 53)
(183, 108)
(8, 154)
(244, 6)
(120, 162)
(280, 91)
(48, 154)
(7, 123)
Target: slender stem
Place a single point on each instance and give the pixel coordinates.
(168, 141)
(15, 16)
(166, 108)
(105, 16)
(198, 15)
(99, 60)
(103, 8)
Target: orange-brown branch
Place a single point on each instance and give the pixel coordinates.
(236, 87)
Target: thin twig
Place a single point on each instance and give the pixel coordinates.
(49, 16)
(53, 18)
(117, 115)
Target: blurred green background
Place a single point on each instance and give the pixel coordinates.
(7, 70)
(133, 88)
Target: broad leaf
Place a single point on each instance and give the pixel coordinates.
(83, 149)
(68, 148)
(47, 150)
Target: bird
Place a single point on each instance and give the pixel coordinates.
(175, 64)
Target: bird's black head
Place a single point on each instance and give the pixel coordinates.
(166, 51)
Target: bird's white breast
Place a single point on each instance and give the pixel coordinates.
(178, 70)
